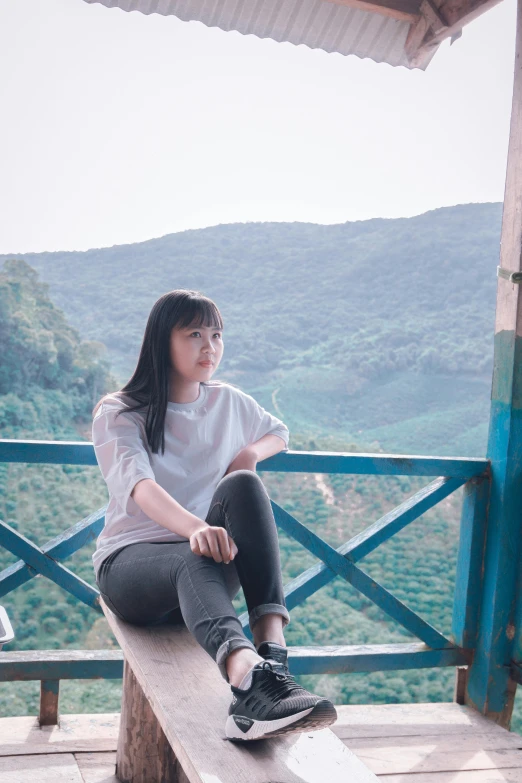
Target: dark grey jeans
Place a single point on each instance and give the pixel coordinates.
(165, 582)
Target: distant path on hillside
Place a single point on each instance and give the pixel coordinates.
(274, 403)
(328, 495)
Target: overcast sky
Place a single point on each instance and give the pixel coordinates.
(118, 127)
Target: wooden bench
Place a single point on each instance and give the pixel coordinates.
(173, 712)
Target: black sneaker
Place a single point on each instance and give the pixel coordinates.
(275, 704)
(274, 652)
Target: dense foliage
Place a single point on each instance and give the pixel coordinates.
(49, 377)
(323, 295)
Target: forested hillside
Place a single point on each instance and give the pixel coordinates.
(378, 330)
(49, 380)
(51, 377)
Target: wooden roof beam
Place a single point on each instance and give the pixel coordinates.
(403, 10)
(438, 21)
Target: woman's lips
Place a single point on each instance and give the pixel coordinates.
(207, 364)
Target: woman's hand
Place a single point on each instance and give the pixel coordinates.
(213, 541)
(245, 460)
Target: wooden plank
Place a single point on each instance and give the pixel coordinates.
(108, 664)
(15, 575)
(50, 452)
(394, 759)
(490, 688)
(80, 453)
(60, 665)
(97, 767)
(439, 753)
(191, 700)
(399, 720)
(362, 725)
(23, 735)
(476, 776)
(373, 464)
(434, 16)
(337, 659)
(52, 768)
(49, 697)
(505, 740)
(80, 534)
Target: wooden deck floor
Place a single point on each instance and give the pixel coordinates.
(403, 743)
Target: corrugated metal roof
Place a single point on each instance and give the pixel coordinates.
(314, 23)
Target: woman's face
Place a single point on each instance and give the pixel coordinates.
(192, 345)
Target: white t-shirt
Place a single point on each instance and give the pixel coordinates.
(201, 440)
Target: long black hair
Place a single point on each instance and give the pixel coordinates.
(148, 387)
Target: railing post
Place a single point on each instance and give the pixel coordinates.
(461, 683)
(49, 695)
(490, 688)
(468, 579)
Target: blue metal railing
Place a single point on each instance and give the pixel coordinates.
(434, 648)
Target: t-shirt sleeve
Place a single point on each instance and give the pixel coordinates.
(264, 423)
(121, 454)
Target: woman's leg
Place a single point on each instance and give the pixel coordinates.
(145, 583)
(241, 505)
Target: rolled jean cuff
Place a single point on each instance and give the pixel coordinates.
(262, 609)
(226, 648)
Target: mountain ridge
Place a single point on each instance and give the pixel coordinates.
(375, 314)
(18, 254)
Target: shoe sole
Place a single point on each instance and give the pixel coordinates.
(315, 718)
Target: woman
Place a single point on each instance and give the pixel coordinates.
(189, 521)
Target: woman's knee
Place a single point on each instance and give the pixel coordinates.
(246, 480)
(240, 497)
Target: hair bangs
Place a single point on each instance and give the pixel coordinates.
(200, 311)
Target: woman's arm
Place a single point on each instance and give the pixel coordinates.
(162, 508)
(267, 446)
(263, 448)
(167, 512)
(208, 540)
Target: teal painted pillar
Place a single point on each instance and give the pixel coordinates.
(517, 644)
(490, 688)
